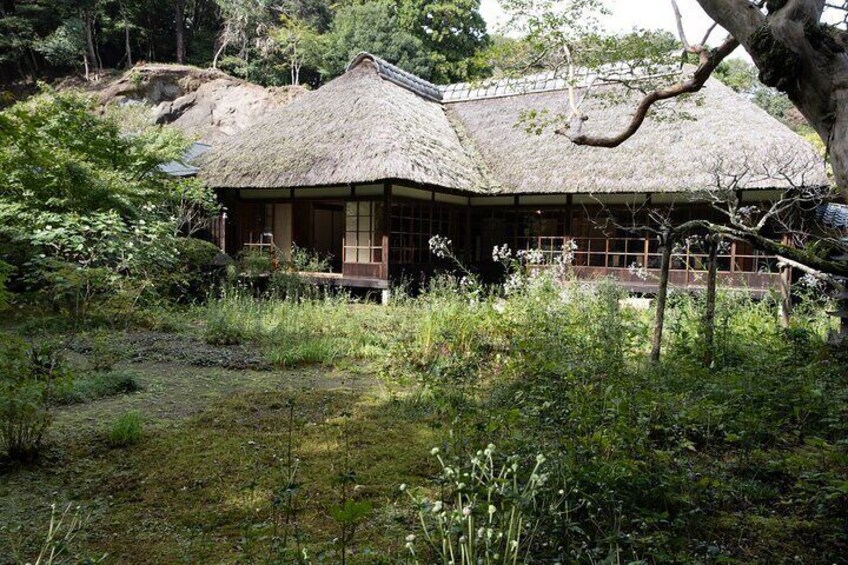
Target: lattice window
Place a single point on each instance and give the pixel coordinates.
(413, 224)
(363, 232)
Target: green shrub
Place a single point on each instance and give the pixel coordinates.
(194, 274)
(256, 262)
(306, 261)
(125, 431)
(93, 386)
(105, 352)
(31, 377)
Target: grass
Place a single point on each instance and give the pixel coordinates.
(96, 385)
(125, 431)
(742, 462)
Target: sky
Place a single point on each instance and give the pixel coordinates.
(629, 14)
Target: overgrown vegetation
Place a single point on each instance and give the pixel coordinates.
(593, 453)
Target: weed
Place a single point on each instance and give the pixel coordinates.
(125, 431)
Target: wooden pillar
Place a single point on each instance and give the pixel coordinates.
(466, 254)
(387, 228)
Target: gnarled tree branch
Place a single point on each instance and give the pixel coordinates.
(709, 61)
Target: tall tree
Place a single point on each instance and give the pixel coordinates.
(453, 31)
(373, 26)
(179, 27)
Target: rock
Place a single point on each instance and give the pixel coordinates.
(206, 104)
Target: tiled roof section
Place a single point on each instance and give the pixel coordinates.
(834, 216)
(400, 77)
(543, 82)
(183, 167)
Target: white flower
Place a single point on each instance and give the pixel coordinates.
(638, 271)
(501, 253)
(402, 487)
(492, 509)
(410, 538)
(466, 511)
(440, 246)
(434, 451)
(437, 507)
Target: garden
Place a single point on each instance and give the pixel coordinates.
(159, 406)
(464, 425)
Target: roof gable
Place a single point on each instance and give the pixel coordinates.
(358, 128)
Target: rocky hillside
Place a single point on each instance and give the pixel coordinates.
(206, 104)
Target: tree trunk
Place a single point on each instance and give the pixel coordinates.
(796, 55)
(662, 297)
(127, 44)
(179, 25)
(218, 54)
(785, 295)
(88, 23)
(709, 311)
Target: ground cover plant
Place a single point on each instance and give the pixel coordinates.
(517, 424)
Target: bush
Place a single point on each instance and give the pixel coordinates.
(194, 274)
(658, 463)
(30, 380)
(256, 262)
(125, 431)
(105, 352)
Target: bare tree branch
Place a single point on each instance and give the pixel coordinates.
(709, 61)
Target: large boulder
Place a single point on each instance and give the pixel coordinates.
(206, 104)
(222, 107)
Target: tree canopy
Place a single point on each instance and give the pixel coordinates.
(272, 42)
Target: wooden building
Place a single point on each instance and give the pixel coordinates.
(373, 164)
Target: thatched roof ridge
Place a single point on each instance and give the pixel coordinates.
(399, 76)
(358, 128)
(377, 123)
(672, 152)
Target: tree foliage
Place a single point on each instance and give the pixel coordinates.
(84, 211)
(373, 26)
(273, 42)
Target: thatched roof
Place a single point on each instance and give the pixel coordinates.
(358, 128)
(377, 122)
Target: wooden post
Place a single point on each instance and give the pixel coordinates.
(387, 228)
(466, 253)
(662, 297)
(709, 312)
